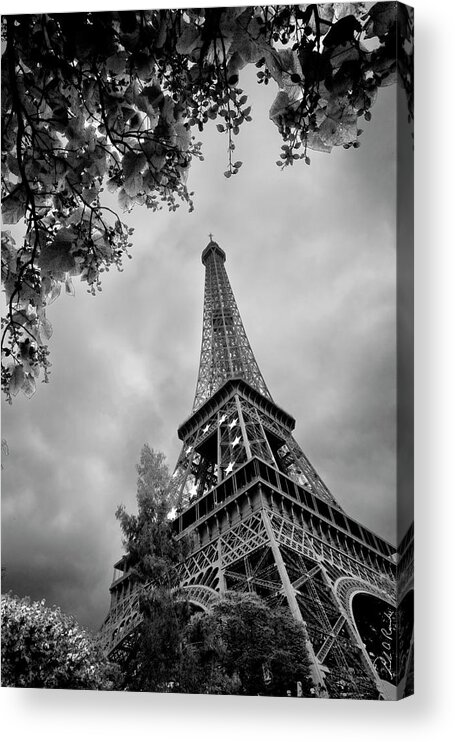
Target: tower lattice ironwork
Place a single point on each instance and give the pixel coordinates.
(225, 350)
(260, 519)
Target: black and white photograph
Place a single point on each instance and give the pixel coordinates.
(207, 351)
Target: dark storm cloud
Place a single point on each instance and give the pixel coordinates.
(310, 255)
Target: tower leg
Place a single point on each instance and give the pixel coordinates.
(316, 672)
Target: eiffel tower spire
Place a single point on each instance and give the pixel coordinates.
(225, 351)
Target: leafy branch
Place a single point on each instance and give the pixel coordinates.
(96, 100)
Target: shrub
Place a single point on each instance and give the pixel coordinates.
(44, 648)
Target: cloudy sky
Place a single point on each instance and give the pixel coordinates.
(311, 259)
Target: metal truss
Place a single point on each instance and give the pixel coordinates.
(125, 617)
(245, 560)
(406, 564)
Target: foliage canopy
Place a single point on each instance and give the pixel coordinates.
(246, 647)
(44, 648)
(152, 550)
(113, 99)
(241, 647)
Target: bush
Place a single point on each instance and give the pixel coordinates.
(44, 648)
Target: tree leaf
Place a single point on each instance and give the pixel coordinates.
(29, 385)
(45, 329)
(116, 63)
(125, 201)
(150, 101)
(13, 206)
(382, 17)
(340, 124)
(133, 164)
(188, 39)
(17, 380)
(54, 292)
(55, 257)
(69, 288)
(342, 31)
(182, 136)
(279, 106)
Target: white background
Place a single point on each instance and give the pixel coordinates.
(49, 715)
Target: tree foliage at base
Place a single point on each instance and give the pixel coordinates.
(151, 659)
(113, 100)
(245, 647)
(151, 655)
(44, 648)
(152, 550)
(241, 647)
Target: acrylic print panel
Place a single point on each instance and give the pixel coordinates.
(274, 144)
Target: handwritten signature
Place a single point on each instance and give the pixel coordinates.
(384, 660)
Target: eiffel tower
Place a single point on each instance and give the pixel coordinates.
(261, 519)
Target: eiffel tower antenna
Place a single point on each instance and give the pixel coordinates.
(261, 519)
